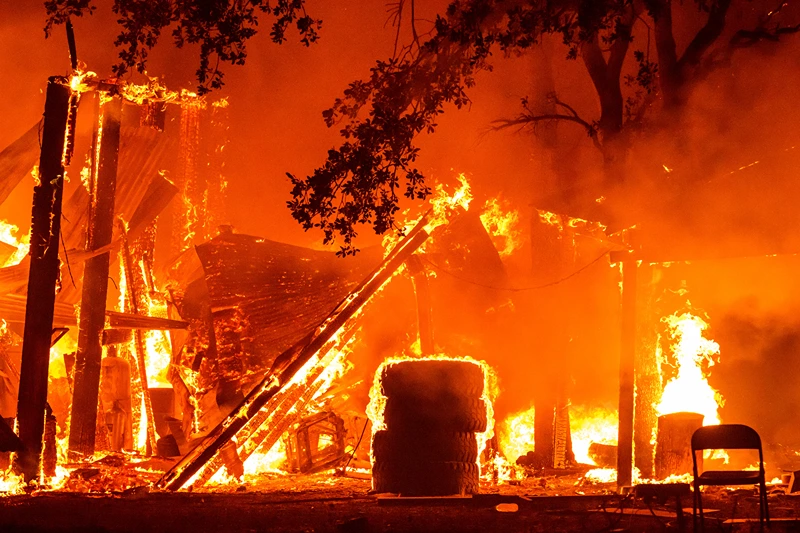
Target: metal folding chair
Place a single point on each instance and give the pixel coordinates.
(728, 437)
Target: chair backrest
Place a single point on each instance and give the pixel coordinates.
(726, 437)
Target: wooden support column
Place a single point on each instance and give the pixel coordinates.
(83, 424)
(423, 295)
(626, 374)
(43, 274)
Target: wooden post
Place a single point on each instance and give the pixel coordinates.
(423, 295)
(43, 274)
(648, 373)
(626, 374)
(95, 288)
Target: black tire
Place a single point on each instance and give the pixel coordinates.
(425, 478)
(432, 378)
(450, 414)
(435, 446)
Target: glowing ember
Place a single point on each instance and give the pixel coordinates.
(692, 353)
(590, 425)
(11, 484)
(502, 226)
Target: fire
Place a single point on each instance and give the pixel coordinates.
(691, 353)
(79, 82)
(517, 434)
(502, 226)
(270, 461)
(151, 91)
(11, 483)
(444, 204)
(591, 424)
(9, 234)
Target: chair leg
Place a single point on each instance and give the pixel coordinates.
(694, 508)
(764, 501)
(700, 508)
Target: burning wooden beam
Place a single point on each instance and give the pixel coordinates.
(83, 422)
(131, 321)
(317, 343)
(43, 275)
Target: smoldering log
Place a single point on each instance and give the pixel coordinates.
(673, 444)
(43, 275)
(95, 287)
(288, 363)
(603, 455)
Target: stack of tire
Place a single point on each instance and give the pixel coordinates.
(433, 410)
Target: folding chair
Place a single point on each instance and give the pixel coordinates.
(728, 437)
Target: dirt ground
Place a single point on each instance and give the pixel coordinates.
(324, 503)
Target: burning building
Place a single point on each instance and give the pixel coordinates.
(482, 350)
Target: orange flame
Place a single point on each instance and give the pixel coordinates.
(502, 226)
(9, 234)
(689, 389)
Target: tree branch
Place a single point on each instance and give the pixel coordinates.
(707, 35)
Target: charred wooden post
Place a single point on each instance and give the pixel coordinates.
(423, 294)
(648, 375)
(95, 286)
(139, 343)
(673, 445)
(43, 275)
(626, 374)
(291, 361)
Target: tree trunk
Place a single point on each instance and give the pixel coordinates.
(95, 288)
(43, 275)
(673, 449)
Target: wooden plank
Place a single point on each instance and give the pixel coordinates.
(131, 321)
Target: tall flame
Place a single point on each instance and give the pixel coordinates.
(691, 353)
